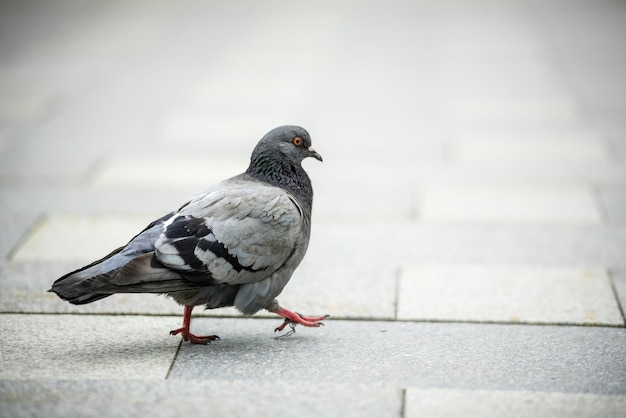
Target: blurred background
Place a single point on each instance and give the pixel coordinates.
(482, 132)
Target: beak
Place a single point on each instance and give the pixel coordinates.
(314, 154)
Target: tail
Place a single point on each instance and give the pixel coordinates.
(75, 287)
(140, 274)
(129, 269)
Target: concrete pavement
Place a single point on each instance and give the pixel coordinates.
(469, 232)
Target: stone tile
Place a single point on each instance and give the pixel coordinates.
(514, 203)
(351, 202)
(167, 398)
(6, 140)
(508, 294)
(323, 286)
(29, 165)
(93, 201)
(409, 354)
(452, 403)
(554, 148)
(520, 80)
(466, 80)
(14, 226)
(391, 245)
(217, 125)
(167, 172)
(399, 172)
(541, 112)
(79, 238)
(613, 202)
(86, 347)
(23, 109)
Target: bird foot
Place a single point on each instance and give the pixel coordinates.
(296, 318)
(195, 339)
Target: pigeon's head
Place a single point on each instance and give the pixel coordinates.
(291, 142)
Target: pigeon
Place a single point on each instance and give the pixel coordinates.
(236, 243)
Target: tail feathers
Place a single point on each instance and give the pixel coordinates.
(73, 287)
(142, 274)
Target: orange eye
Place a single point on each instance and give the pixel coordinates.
(297, 141)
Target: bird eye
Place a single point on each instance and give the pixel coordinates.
(297, 141)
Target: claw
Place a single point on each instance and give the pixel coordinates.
(187, 335)
(283, 325)
(195, 339)
(297, 318)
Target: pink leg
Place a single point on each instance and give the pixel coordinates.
(187, 335)
(296, 318)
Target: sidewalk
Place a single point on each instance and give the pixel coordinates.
(469, 224)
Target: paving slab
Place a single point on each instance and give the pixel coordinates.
(508, 294)
(585, 66)
(380, 244)
(528, 149)
(22, 109)
(342, 290)
(86, 347)
(543, 111)
(451, 403)
(420, 355)
(204, 120)
(80, 200)
(548, 174)
(14, 227)
(355, 202)
(465, 69)
(613, 203)
(509, 203)
(166, 398)
(166, 171)
(79, 238)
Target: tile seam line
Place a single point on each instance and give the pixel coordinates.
(173, 362)
(332, 318)
(616, 296)
(26, 235)
(397, 281)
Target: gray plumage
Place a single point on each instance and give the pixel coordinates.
(235, 244)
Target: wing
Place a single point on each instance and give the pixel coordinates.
(236, 235)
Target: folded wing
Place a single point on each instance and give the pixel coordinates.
(224, 238)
